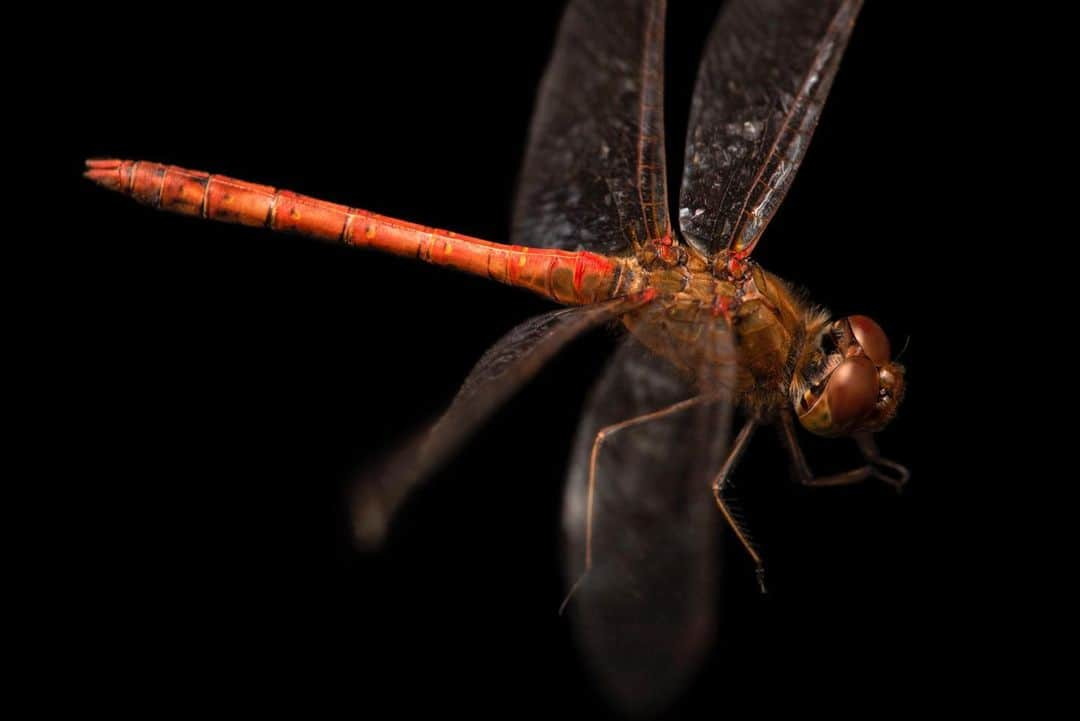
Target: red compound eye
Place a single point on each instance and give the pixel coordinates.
(872, 338)
(851, 392)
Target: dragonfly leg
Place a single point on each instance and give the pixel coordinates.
(598, 442)
(877, 467)
(720, 483)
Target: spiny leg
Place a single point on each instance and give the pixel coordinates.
(598, 441)
(877, 467)
(721, 481)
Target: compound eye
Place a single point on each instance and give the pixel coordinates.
(852, 392)
(872, 338)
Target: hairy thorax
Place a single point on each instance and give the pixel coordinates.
(699, 300)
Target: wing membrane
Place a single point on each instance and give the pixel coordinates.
(594, 176)
(644, 610)
(499, 373)
(767, 70)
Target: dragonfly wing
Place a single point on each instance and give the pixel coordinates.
(644, 610)
(594, 176)
(764, 78)
(499, 373)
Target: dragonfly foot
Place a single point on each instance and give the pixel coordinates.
(760, 573)
(891, 473)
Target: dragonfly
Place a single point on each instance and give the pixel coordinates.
(711, 336)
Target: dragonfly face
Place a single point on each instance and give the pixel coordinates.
(848, 382)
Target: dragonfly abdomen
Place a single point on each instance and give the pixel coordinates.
(569, 277)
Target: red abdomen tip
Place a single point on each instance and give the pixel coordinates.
(105, 172)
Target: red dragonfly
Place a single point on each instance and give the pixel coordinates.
(710, 332)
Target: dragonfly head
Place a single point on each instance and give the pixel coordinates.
(847, 381)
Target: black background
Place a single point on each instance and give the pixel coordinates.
(227, 381)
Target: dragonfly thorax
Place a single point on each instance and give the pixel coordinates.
(765, 318)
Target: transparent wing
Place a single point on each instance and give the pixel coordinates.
(594, 176)
(767, 70)
(644, 610)
(499, 373)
